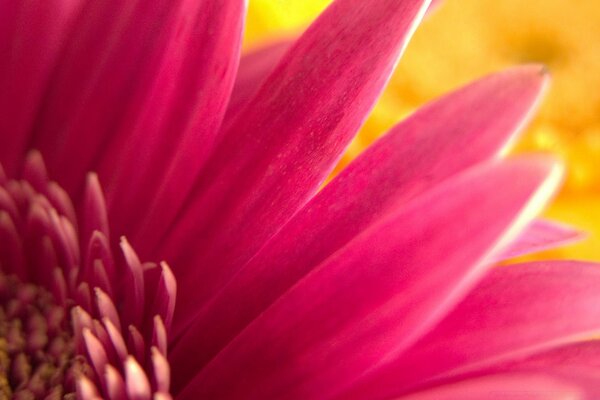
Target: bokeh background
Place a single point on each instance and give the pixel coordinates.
(465, 39)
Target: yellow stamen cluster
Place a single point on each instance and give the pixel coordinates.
(37, 350)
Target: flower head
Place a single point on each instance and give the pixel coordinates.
(376, 286)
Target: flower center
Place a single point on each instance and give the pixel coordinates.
(37, 350)
(76, 317)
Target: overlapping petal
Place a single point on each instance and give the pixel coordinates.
(417, 154)
(541, 235)
(91, 77)
(576, 363)
(32, 36)
(382, 290)
(515, 312)
(503, 387)
(282, 146)
(176, 126)
(149, 89)
(254, 68)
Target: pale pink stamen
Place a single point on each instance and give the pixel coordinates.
(43, 246)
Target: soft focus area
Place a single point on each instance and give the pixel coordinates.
(464, 39)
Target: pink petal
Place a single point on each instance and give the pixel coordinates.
(100, 264)
(541, 235)
(254, 68)
(380, 293)
(161, 370)
(86, 389)
(577, 363)
(116, 339)
(159, 335)
(174, 127)
(32, 35)
(94, 213)
(418, 153)
(62, 202)
(11, 247)
(93, 82)
(136, 344)
(286, 141)
(136, 381)
(95, 352)
(584, 354)
(165, 295)
(115, 386)
(34, 171)
(140, 82)
(502, 387)
(106, 308)
(133, 288)
(516, 311)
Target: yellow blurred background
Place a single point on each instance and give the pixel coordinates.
(465, 39)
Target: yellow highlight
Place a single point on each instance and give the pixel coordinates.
(465, 39)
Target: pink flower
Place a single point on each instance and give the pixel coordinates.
(378, 286)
